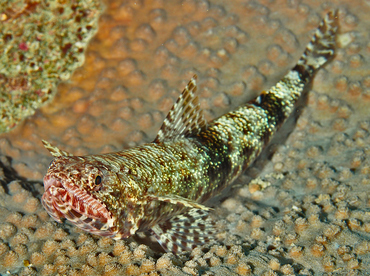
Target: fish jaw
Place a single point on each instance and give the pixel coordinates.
(63, 200)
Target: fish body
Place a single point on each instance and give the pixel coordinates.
(160, 186)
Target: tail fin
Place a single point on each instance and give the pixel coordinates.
(321, 47)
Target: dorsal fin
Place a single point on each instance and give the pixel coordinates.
(185, 118)
(54, 151)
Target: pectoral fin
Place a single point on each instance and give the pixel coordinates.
(175, 199)
(184, 232)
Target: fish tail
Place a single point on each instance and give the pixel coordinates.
(279, 101)
(321, 48)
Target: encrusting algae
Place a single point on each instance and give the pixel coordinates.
(41, 44)
(310, 196)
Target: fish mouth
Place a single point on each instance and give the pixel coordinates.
(63, 200)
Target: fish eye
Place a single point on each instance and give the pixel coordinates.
(98, 180)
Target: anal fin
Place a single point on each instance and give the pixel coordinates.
(184, 232)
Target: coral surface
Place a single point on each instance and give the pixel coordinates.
(302, 208)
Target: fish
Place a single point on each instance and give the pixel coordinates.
(161, 187)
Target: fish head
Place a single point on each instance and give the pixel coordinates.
(80, 190)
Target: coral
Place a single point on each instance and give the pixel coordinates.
(300, 209)
(41, 44)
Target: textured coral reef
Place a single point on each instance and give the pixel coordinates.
(301, 208)
(41, 44)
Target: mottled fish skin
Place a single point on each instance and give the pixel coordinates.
(160, 186)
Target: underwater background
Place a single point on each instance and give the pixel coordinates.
(99, 76)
